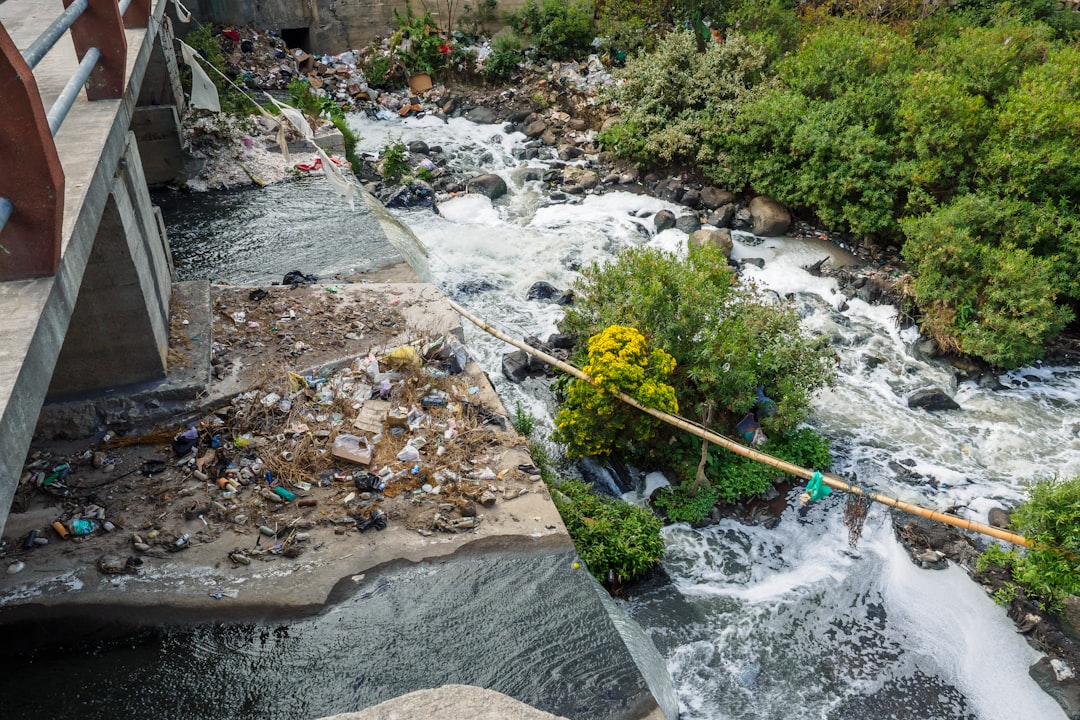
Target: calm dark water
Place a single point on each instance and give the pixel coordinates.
(253, 235)
(509, 622)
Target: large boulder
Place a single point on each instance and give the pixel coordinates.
(664, 220)
(688, 223)
(491, 185)
(932, 399)
(482, 115)
(713, 197)
(770, 218)
(720, 238)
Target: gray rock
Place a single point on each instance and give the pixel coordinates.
(932, 399)
(722, 216)
(664, 220)
(570, 152)
(713, 198)
(716, 238)
(742, 220)
(1065, 691)
(1070, 617)
(578, 180)
(999, 518)
(629, 176)
(691, 199)
(542, 291)
(756, 262)
(419, 147)
(518, 365)
(491, 185)
(549, 138)
(535, 129)
(483, 115)
(770, 217)
(561, 341)
(688, 223)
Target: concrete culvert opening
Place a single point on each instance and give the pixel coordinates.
(297, 38)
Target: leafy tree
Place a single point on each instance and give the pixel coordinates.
(725, 338)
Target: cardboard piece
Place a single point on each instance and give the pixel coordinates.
(353, 449)
(372, 416)
(420, 82)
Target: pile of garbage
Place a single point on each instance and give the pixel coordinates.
(395, 437)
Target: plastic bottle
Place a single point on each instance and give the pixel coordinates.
(286, 495)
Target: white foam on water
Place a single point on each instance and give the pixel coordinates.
(946, 618)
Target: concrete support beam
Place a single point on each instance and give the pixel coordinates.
(161, 86)
(119, 328)
(157, 128)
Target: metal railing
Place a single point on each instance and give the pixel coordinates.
(98, 36)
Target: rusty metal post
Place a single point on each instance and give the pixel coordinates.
(101, 27)
(137, 14)
(34, 181)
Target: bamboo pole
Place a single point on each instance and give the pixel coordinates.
(789, 468)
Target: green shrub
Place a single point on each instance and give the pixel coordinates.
(591, 420)
(559, 29)
(978, 291)
(380, 73)
(506, 55)
(618, 541)
(395, 160)
(733, 477)
(1050, 519)
(726, 340)
(683, 506)
(675, 101)
(418, 43)
(304, 99)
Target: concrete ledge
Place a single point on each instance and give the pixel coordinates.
(462, 701)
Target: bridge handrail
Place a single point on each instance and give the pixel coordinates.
(97, 31)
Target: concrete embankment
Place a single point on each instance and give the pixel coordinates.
(175, 554)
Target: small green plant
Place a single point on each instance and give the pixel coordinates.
(304, 99)
(425, 174)
(1005, 594)
(419, 44)
(380, 73)
(506, 55)
(591, 420)
(395, 162)
(523, 421)
(619, 542)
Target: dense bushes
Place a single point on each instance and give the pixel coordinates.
(558, 29)
(953, 133)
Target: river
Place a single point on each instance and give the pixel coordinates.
(755, 623)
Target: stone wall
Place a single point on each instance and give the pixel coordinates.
(332, 26)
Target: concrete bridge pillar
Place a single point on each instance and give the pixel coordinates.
(156, 119)
(119, 331)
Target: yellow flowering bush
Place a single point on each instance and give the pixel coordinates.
(593, 422)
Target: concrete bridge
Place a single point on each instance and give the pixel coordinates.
(85, 270)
